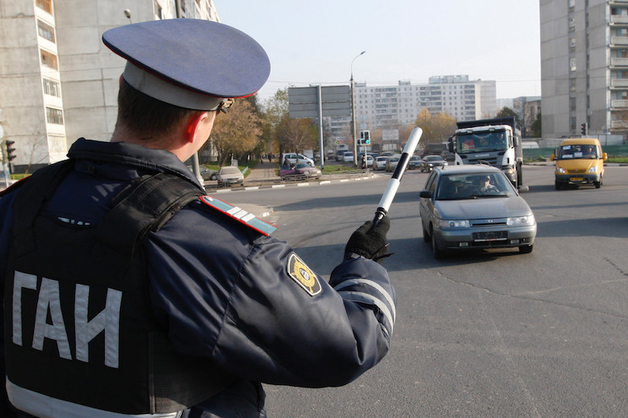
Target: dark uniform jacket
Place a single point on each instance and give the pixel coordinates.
(226, 293)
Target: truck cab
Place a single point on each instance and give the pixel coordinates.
(496, 142)
(579, 161)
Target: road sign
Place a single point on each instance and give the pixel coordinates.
(304, 101)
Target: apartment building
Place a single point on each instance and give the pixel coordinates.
(385, 107)
(58, 81)
(584, 66)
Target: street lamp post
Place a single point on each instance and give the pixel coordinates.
(353, 123)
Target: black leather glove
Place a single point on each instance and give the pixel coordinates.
(370, 242)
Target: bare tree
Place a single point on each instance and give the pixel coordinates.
(297, 134)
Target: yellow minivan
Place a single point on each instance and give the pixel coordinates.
(579, 161)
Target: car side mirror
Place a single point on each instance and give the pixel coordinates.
(553, 157)
(426, 194)
(605, 156)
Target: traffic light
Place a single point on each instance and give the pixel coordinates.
(365, 138)
(10, 150)
(584, 128)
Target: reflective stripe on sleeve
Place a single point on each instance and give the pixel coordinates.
(374, 285)
(47, 407)
(370, 300)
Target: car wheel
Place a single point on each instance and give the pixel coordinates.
(526, 249)
(426, 236)
(437, 252)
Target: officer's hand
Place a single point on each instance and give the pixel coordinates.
(370, 242)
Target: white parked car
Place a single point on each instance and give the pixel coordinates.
(229, 175)
(380, 163)
(291, 158)
(348, 157)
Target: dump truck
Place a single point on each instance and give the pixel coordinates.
(496, 142)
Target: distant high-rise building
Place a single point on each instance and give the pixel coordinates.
(584, 66)
(58, 81)
(384, 107)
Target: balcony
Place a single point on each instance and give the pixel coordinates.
(618, 2)
(619, 124)
(619, 104)
(619, 40)
(619, 83)
(619, 20)
(619, 62)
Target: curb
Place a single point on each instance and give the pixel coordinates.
(273, 184)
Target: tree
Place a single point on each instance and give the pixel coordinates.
(236, 133)
(537, 131)
(275, 109)
(297, 134)
(507, 112)
(436, 128)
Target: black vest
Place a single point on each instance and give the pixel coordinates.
(83, 329)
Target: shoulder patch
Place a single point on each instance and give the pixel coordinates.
(303, 275)
(239, 215)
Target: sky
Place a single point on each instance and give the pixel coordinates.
(317, 42)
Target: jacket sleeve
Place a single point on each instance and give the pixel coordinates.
(262, 314)
(279, 331)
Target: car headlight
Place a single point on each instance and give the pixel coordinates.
(560, 170)
(521, 220)
(593, 169)
(455, 223)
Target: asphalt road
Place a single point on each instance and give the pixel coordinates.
(484, 334)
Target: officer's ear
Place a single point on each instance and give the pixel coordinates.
(199, 126)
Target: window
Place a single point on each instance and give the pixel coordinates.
(45, 5)
(54, 116)
(158, 10)
(48, 59)
(52, 88)
(45, 31)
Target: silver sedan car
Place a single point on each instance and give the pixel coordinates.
(474, 206)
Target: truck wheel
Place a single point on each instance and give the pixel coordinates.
(557, 185)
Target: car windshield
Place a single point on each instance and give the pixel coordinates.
(229, 170)
(474, 141)
(577, 151)
(303, 165)
(432, 158)
(473, 186)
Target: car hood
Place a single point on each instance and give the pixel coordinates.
(489, 207)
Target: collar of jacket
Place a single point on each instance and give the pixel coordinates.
(132, 155)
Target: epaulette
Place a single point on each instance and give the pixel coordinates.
(239, 215)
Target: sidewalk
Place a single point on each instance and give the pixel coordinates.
(262, 174)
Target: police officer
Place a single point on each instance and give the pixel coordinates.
(128, 292)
